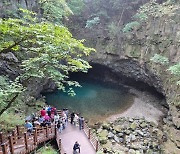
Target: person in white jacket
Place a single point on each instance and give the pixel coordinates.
(76, 119)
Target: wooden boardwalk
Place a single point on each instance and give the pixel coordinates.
(19, 142)
(72, 134)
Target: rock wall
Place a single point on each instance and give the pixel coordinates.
(130, 54)
(9, 7)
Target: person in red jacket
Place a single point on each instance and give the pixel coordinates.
(43, 112)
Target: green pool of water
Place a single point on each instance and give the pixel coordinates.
(94, 100)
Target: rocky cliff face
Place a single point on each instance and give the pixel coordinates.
(129, 55)
(9, 6)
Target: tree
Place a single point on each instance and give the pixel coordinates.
(54, 10)
(9, 91)
(51, 51)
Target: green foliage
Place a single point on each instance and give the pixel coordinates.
(141, 16)
(55, 10)
(9, 120)
(114, 29)
(76, 6)
(160, 59)
(175, 69)
(47, 150)
(131, 26)
(51, 49)
(154, 9)
(93, 22)
(8, 89)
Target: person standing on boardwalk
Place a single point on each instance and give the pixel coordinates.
(76, 147)
(28, 126)
(81, 123)
(72, 117)
(43, 112)
(67, 114)
(76, 118)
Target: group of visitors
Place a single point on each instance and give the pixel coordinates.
(76, 119)
(63, 120)
(48, 115)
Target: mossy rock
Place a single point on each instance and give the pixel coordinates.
(118, 128)
(103, 133)
(103, 140)
(143, 125)
(133, 126)
(106, 126)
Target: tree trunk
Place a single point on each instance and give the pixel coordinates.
(9, 104)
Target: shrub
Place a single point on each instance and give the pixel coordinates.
(130, 26)
(160, 59)
(91, 23)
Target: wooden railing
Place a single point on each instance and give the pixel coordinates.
(92, 138)
(88, 132)
(21, 142)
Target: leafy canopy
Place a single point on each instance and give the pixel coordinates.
(55, 10)
(51, 52)
(52, 49)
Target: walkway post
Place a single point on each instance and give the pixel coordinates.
(25, 141)
(97, 145)
(4, 148)
(46, 131)
(89, 134)
(13, 133)
(55, 133)
(18, 129)
(1, 137)
(60, 144)
(11, 144)
(35, 136)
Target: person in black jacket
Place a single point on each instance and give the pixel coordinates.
(72, 117)
(76, 146)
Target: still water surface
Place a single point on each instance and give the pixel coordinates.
(94, 100)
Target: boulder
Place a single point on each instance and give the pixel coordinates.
(116, 139)
(140, 132)
(118, 128)
(131, 151)
(110, 135)
(106, 126)
(120, 134)
(103, 140)
(136, 145)
(143, 125)
(103, 133)
(133, 126)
